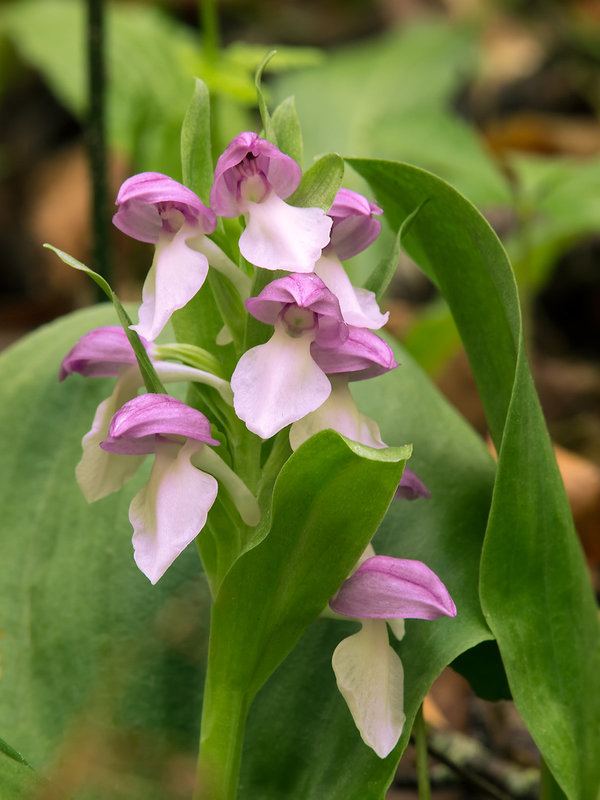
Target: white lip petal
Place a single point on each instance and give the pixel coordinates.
(280, 236)
(370, 676)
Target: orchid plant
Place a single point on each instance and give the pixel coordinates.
(315, 539)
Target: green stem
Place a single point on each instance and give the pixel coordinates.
(422, 756)
(209, 23)
(95, 135)
(222, 734)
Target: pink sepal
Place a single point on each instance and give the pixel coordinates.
(246, 156)
(144, 201)
(362, 355)
(354, 228)
(136, 425)
(386, 588)
(100, 353)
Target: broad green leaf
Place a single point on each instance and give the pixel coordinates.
(320, 183)
(328, 500)
(93, 656)
(151, 379)
(274, 591)
(287, 129)
(446, 532)
(17, 780)
(534, 584)
(196, 156)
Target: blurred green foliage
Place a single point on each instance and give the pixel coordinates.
(387, 97)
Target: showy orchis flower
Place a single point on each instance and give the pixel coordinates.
(171, 509)
(279, 382)
(106, 352)
(368, 671)
(363, 355)
(155, 208)
(284, 379)
(253, 178)
(354, 229)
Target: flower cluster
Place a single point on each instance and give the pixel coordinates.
(323, 337)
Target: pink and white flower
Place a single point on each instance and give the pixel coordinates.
(155, 208)
(253, 177)
(368, 670)
(171, 509)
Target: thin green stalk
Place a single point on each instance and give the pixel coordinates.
(96, 139)
(209, 24)
(224, 715)
(422, 756)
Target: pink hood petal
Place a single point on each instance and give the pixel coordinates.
(100, 353)
(363, 355)
(354, 228)
(306, 291)
(386, 588)
(141, 198)
(134, 427)
(281, 173)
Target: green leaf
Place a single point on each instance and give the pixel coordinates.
(17, 780)
(345, 105)
(534, 584)
(268, 127)
(287, 129)
(93, 656)
(446, 532)
(196, 154)
(320, 183)
(151, 380)
(274, 591)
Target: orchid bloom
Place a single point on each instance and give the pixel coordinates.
(363, 355)
(284, 379)
(171, 509)
(253, 177)
(106, 352)
(155, 208)
(354, 229)
(368, 670)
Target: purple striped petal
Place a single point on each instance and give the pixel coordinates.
(136, 425)
(363, 355)
(248, 169)
(152, 204)
(100, 353)
(354, 228)
(386, 588)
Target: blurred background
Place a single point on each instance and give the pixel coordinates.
(499, 97)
